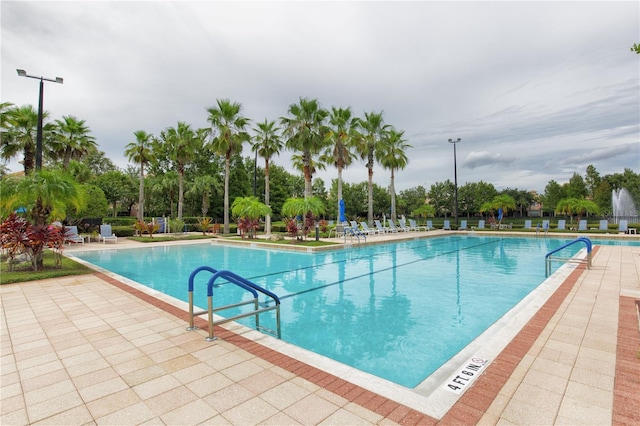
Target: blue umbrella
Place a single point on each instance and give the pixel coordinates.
(342, 217)
(21, 210)
(500, 213)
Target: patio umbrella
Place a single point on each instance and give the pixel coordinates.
(342, 217)
(500, 214)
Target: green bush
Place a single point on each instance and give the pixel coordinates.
(123, 231)
(120, 220)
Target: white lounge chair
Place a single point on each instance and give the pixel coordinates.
(447, 225)
(367, 230)
(582, 226)
(481, 224)
(402, 225)
(107, 235)
(463, 225)
(71, 235)
(379, 227)
(413, 225)
(392, 226)
(561, 224)
(527, 224)
(604, 225)
(623, 226)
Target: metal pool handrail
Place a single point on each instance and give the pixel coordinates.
(548, 258)
(241, 282)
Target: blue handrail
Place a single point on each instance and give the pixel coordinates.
(584, 240)
(241, 282)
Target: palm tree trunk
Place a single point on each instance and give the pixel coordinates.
(227, 166)
(141, 195)
(370, 198)
(267, 219)
(393, 197)
(339, 190)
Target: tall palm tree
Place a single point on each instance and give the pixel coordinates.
(182, 145)
(204, 186)
(140, 152)
(20, 137)
(374, 131)
(304, 130)
(340, 137)
(72, 140)
(228, 126)
(267, 143)
(393, 157)
(5, 107)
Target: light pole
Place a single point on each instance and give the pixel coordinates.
(23, 73)
(455, 175)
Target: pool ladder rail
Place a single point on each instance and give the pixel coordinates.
(243, 283)
(548, 257)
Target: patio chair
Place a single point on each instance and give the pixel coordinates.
(381, 229)
(604, 225)
(107, 235)
(402, 225)
(367, 230)
(429, 224)
(71, 235)
(392, 226)
(623, 226)
(545, 225)
(527, 224)
(413, 225)
(582, 226)
(481, 224)
(463, 225)
(561, 224)
(447, 225)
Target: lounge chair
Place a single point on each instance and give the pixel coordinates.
(429, 225)
(392, 226)
(582, 226)
(413, 225)
(71, 235)
(527, 224)
(623, 226)
(381, 229)
(545, 225)
(463, 225)
(561, 224)
(367, 230)
(447, 225)
(107, 235)
(354, 225)
(604, 225)
(402, 225)
(481, 224)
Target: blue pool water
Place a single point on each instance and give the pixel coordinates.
(398, 311)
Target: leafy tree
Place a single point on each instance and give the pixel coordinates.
(413, 198)
(98, 205)
(267, 143)
(374, 132)
(228, 126)
(140, 153)
(393, 157)
(602, 197)
(20, 137)
(304, 133)
(164, 191)
(503, 201)
(98, 163)
(72, 140)
(592, 180)
(553, 193)
(636, 48)
(339, 139)
(80, 171)
(522, 198)
(204, 186)
(303, 207)
(249, 210)
(576, 187)
(577, 206)
(116, 186)
(441, 197)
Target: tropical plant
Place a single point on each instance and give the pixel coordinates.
(577, 206)
(228, 126)
(249, 210)
(267, 143)
(21, 125)
(340, 139)
(504, 202)
(374, 131)
(71, 140)
(204, 186)
(204, 223)
(143, 227)
(424, 211)
(393, 157)
(301, 207)
(140, 152)
(304, 130)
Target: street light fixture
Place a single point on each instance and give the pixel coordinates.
(23, 73)
(455, 175)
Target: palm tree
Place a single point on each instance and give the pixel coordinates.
(45, 196)
(504, 202)
(20, 137)
(5, 107)
(72, 140)
(305, 134)
(249, 210)
(229, 127)
(367, 147)
(182, 145)
(340, 139)
(205, 186)
(579, 206)
(392, 157)
(267, 143)
(140, 152)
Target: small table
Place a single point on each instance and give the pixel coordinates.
(632, 231)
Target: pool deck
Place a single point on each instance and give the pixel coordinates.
(90, 349)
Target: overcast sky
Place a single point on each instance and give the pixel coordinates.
(535, 90)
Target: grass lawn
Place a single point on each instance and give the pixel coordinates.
(24, 272)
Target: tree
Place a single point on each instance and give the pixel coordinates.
(72, 140)
(303, 207)
(577, 206)
(393, 157)
(267, 143)
(553, 193)
(576, 188)
(339, 139)
(116, 187)
(204, 186)
(367, 147)
(140, 152)
(441, 197)
(414, 198)
(304, 130)
(592, 180)
(229, 129)
(249, 210)
(20, 137)
(182, 145)
(504, 202)
(636, 48)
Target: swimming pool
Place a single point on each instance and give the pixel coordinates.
(398, 310)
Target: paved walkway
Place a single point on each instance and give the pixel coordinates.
(91, 350)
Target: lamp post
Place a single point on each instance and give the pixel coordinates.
(23, 73)
(455, 175)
